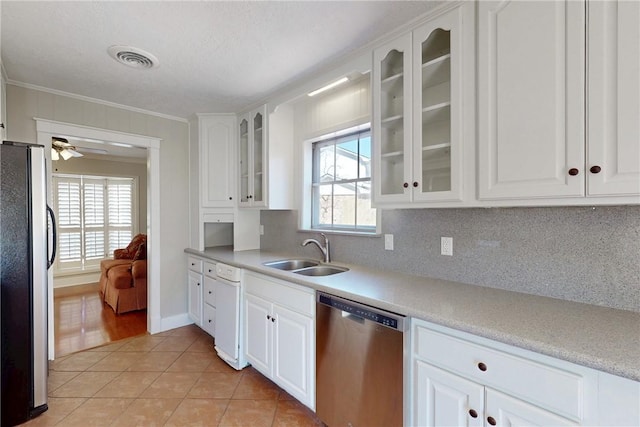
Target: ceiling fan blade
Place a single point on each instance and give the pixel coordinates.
(91, 150)
(73, 152)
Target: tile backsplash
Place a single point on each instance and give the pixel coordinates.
(583, 254)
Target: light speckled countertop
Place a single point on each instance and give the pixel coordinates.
(598, 337)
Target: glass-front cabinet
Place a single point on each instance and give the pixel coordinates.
(252, 150)
(392, 119)
(417, 114)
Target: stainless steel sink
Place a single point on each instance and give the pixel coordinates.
(306, 267)
(291, 264)
(321, 270)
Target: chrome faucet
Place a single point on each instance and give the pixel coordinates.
(324, 249)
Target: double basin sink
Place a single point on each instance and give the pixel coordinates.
(306, 267)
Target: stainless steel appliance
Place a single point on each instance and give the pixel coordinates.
(359, 355)
(24, 260)
(228, 311)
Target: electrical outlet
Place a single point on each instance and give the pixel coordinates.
(446, 246)
(261, 230)
(388, 242)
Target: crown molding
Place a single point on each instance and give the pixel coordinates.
(95, 100)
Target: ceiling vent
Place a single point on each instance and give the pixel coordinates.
(133, 57)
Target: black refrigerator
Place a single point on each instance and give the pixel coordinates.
(25, 256)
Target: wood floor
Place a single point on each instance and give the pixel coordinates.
(83, 321)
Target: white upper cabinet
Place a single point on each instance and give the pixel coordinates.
(217, 136)
(540, 139)
(265, 169)
(613, 133)
(419, 95)
(392, 121)
(531, 98)
(3, 108)
(253, 141)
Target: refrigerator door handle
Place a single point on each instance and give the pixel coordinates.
(55, 237)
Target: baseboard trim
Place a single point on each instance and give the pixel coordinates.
(172, 322)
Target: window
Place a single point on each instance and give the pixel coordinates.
(341, 183)
(95, 216)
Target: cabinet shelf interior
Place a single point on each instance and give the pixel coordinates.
(436, 71)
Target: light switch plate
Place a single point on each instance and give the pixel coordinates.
(388, 242)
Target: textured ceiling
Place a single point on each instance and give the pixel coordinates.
(217, 56)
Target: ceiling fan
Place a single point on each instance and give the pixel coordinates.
(60, 147)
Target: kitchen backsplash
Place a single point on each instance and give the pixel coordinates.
(583, 254)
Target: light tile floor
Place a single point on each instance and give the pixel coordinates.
(169, 379)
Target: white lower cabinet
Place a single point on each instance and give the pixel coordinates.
(209, 299)
(444, 399)
(279, 334)
(458, 379)
(194, 289)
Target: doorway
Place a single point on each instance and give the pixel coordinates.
(46, 130)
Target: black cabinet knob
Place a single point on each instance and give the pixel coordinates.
(473, 413)
(405, 185)
(595, 169)
(415, 184)
(482, 366)
(491, 421)
(574, 171)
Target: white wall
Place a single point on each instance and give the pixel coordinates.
(23, 105)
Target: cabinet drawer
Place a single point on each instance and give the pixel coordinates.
(287, 295)
(209, 291)
(556, 389)
(209, 319)
(194, 264)
(210, 269)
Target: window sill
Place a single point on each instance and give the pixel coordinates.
(340, 232)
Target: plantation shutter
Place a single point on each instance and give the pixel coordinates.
(68, 203)
(94, 220)
(95, 217)
(120, 213)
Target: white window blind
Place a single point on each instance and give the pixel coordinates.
(95, 217)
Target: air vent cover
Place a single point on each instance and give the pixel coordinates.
(133, 57)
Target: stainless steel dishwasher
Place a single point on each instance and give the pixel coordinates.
(359, 354)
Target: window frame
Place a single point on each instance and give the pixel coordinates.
(309, 213)
(92, 264)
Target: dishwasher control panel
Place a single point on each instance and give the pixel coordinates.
(384, 318)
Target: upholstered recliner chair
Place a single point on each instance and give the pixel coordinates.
(123, 280)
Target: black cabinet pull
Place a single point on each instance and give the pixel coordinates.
(491, 421)
(473, 413)
(482, 366)
(574, 171)
(595, 169)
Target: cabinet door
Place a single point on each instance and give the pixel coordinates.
(258, 161)
(209, 319)
(244, 160)
(217, 174)
(293, 367)
(258, 333)
(531, 99)
(3, 109)
(444, 399)
(613, 139)
(195, 297)
(209, 291)
(392, 101)
(508, 411)
(437, 107)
